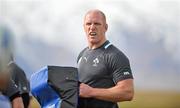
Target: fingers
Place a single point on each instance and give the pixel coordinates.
(84, 90)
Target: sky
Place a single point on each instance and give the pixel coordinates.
(50, 32)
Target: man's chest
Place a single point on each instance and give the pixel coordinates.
(92, 65)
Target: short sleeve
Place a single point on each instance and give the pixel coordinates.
(19, 77)
(81, 53)
(12, 90)
(120, 67)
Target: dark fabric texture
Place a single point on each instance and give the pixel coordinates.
(65, 81)
(26, 99)
(19, 77)
(19, 85)
(61, 82)
(11, 91)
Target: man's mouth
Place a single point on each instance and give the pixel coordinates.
(93, 33)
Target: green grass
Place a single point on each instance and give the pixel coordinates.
(153, 99)
(147, 99)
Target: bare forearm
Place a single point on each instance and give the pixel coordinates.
(112, 94)
(17, 103)
(123, 91)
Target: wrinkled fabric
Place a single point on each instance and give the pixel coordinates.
(55, 87)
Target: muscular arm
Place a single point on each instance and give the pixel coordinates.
(123, 91)
(17, 103)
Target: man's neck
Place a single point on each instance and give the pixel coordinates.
(97, 45)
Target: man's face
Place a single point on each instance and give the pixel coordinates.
(95, 27)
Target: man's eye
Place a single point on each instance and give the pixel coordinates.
(97, 23)
(88, 23)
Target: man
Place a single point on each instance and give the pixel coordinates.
(12, 90)
(104, 71)
(22, 89)
(9, 89)
(13, 94)
(6, 83)
(4, 80)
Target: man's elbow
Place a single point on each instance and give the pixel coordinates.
(130, 96)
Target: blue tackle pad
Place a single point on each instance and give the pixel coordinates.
(55, 87)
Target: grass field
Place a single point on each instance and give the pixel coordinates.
(153, 99)
(147, 99)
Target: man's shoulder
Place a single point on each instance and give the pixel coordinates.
(81, 53)
(114, 52)
(83, 50)
(16, 70)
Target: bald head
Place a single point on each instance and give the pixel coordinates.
(97, 12)
(95, 28)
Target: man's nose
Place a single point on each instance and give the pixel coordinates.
(92, 27)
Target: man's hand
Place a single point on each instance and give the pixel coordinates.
(85, 90)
